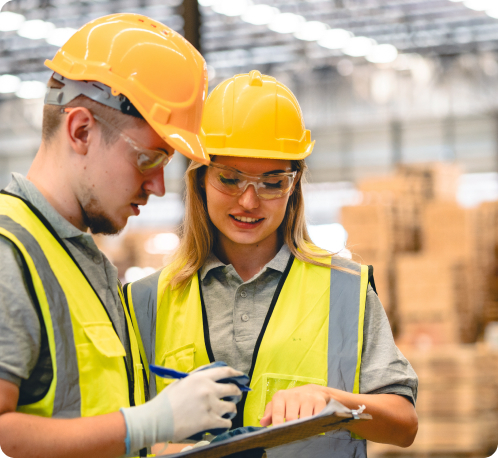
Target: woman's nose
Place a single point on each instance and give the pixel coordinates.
(249, 198)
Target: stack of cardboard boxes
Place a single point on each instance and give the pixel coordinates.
(457, 403)
(440, 293)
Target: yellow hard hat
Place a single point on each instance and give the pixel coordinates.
(253, 115)
(161, 73)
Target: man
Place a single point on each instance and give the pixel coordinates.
(125, 93)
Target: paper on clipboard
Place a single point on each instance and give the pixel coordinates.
(334, 416)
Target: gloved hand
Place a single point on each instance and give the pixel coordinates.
(182, 409)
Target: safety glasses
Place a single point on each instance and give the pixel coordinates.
(234, 183)
(146, 160)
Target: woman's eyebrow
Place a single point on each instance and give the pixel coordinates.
(276, 171)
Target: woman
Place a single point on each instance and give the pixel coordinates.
(248, 287)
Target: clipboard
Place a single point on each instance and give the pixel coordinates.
(334, 416)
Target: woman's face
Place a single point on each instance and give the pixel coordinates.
(227, 211)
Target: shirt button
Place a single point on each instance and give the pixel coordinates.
(229, 276)
(243, 294)
(245, 317)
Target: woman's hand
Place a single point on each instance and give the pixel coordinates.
(301, 402)
(394, 420)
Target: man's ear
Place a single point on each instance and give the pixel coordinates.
(80, 127)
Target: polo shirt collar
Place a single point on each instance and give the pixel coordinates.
(278, 263)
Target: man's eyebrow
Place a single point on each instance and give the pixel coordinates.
(164, 150)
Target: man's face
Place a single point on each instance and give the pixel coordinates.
(113, 187)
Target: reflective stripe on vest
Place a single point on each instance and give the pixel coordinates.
(313, 333)
(88, 359)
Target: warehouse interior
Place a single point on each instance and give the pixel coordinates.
(401, 97)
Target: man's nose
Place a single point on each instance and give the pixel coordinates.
(249, 198)
(154, 184)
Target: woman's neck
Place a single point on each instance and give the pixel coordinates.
(247, 260)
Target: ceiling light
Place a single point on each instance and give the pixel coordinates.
(9, 84)
(58, 37)
(260, 14)
(231, 7)
(206, 2)
(31, 90)
(480, 5)
(36, 29)
(3, 3)
(311, 31)
(286, 23)
(493, 12)
(359, 46)
(335, 38)
(10, 21)
(382, 54)
(211, 72)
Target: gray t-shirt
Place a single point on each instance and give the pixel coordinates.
(21, 345)
(236, 311)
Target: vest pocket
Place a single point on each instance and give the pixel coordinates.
(103, 381)
(276, 382)
(105, 339)
(180, 359)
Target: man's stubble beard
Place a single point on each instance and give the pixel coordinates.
(97, 220)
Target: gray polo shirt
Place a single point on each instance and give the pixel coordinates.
(236, 311)
(21, 352)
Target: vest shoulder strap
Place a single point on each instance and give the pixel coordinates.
(371, 280)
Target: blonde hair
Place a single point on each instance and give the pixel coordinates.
(198, 233)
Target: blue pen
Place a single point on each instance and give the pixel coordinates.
(241, 381)
(164, 372)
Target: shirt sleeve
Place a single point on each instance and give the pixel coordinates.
(384, 369)
(20, 332)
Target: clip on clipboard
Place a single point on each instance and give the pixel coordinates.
(334, 416)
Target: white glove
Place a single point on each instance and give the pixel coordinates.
(185, 407)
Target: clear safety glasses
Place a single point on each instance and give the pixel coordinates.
(146, 160)
(234, 183)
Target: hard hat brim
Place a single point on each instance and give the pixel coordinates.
(185, 142)
(261, 154)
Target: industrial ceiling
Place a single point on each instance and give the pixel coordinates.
(230, 44)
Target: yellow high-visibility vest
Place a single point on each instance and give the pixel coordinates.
(313, 333)
(90, 376)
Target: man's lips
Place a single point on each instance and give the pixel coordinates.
(135, 209)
